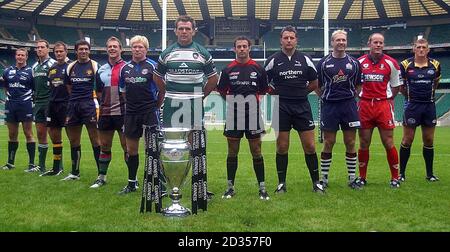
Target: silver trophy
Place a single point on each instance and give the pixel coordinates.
(175, 159)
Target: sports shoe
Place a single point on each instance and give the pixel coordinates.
(281, 188)
(127, 189)
(361, 181)
(354, 185)
(8, 166)
(32, 168)
(209, 195)
(71, 177)
(394, 183)
(324, 184)
(98, 183)
(51, 173)
(318, 188)
(432, 178)
(229, 193)
(263, 195)
(401, 178)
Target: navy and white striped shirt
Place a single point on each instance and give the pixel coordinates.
(19, 83)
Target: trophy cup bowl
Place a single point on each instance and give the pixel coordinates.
(175, 158)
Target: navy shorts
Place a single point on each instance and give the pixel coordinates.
(110, 123)
(249, 134)
(419, 114)
(81, 112)
(56, 114)
(295, 115)
(339, 115)
(21, 111)
(133, 123)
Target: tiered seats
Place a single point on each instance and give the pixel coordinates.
(440, 34)
(54, 33)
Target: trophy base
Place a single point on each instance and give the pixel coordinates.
(176, 210)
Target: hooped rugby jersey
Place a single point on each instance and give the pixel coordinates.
(184, 69)
(420, 81)
(377, 78)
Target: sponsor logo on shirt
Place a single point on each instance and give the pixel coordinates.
(16, 85)
(145, 71)
(374, 77)
(290, 74)
(349, 66)
(183, 65)
(52, 72)
(430, 72)
(195, 55)
(329, 66)
(135, 79)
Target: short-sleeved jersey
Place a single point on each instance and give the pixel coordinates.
(338, 77)
(184, 69)
(420, 81)
(377, 78)
(56, 77)
(81, 76)
(107, 83)
(136, 80)
(243, 79)
(40, 75)
(290, 75)
(19, 83)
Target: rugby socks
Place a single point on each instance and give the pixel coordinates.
(325, 163)
(96, 150)
(133, 164)
(12, 149)
(258, 166)
(392, 157)
(75, 153)
(282, 164)
(232, 165)
(350, 160)
(31, 148)
(313, 166)
(103, 162)
(42, 150)
(57, 156)
(428, 155)
(405, 152)
(125, 157)
(363, 158)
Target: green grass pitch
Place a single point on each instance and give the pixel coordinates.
(33, 203)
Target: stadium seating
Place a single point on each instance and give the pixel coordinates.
(440, 34)
(54, 33)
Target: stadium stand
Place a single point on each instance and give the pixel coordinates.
(54, 33)
(440, 34)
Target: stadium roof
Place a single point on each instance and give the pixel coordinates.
(275, 10)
